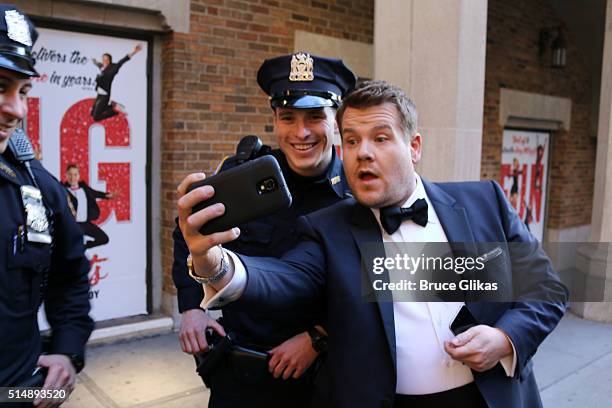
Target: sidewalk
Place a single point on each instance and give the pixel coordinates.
(573, 368)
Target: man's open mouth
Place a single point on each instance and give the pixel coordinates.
(366, 175)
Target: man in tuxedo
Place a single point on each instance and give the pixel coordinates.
(84, 204)
(390, 353)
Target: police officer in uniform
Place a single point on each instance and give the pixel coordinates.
(41, 247)
(305, 91)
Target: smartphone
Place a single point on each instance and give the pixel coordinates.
(37, 379)
(249, 191)
(463, 321)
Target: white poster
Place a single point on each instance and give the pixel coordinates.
(524, 175)
(87, 120)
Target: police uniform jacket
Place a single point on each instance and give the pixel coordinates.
(268, 236)
(29, 271)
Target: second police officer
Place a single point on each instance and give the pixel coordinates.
(41, 247)
(305, 91)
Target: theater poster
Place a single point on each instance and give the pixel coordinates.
(524, 175)
(87, 120)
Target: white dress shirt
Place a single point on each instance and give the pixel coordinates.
(423, 366)
(81, 208)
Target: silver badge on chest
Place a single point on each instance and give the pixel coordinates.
(37, 223)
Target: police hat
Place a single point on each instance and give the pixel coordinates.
(17, 36)
(302, 81)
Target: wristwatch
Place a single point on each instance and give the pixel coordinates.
(212, 279)
(319, 341)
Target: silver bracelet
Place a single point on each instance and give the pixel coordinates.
(224, 268)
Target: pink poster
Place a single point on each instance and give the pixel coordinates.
(524, 175)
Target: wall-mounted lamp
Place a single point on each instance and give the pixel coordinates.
(558, 47)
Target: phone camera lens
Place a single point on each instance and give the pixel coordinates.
(267, 186)
(270, 185)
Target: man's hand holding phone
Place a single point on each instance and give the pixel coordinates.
(205, 250)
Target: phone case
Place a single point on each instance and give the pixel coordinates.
(251, 366)
(463, 321)
(247, 193)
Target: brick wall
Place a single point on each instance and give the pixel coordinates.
(513, 61)
(210, 97)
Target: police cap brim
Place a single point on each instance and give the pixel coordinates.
(302, 102)
(18, 64)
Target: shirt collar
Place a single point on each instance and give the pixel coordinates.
(419, 192)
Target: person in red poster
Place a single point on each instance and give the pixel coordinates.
(514, 190)
(83, 200)
(103, 108)
(528, 218)
(535, 198)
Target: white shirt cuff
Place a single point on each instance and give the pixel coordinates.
(232, 291)
(509, 362)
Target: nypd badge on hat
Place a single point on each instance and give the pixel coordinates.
(17, 36)
(302, 81)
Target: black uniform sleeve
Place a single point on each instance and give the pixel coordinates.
(189, 292)
(67, 296)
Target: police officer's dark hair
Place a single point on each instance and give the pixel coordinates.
(374, 93)
(71, 166)
(110, 57)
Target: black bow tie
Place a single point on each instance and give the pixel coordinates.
(392, 217)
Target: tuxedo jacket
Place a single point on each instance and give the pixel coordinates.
(91, 195)
(326, 267)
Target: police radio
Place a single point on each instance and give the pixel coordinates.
(20, 146)
(250, 147)
(22, 150)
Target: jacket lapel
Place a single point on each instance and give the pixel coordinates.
(452, 216)
(368, 238)
(455, 223)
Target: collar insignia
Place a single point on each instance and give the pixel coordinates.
(7, 171)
